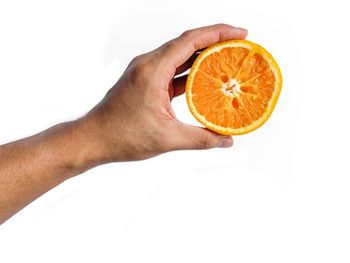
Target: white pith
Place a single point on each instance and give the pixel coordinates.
(231, 88)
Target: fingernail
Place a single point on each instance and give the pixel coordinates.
(225, 143)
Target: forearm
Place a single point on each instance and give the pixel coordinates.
(32, 166)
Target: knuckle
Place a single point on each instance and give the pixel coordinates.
(187, 33)
(137, 59)
(140, 68)
(205, 143)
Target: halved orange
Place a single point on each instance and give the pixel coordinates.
(233, 87)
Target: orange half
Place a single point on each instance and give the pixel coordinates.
(233, 87)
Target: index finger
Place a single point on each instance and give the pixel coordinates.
(179, 50)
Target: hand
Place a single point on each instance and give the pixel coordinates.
(136, 121)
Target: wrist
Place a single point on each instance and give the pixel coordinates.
(86, 150)
(75, 145)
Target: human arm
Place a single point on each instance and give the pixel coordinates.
(134, 121)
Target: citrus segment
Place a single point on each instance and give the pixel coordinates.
(233, 87)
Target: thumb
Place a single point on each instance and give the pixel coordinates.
(193, 137)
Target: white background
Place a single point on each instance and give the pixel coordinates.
(281, 194)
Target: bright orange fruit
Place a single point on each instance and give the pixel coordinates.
(233, 87)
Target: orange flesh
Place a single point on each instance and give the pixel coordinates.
(232, 87)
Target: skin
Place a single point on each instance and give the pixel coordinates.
(134, 121)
